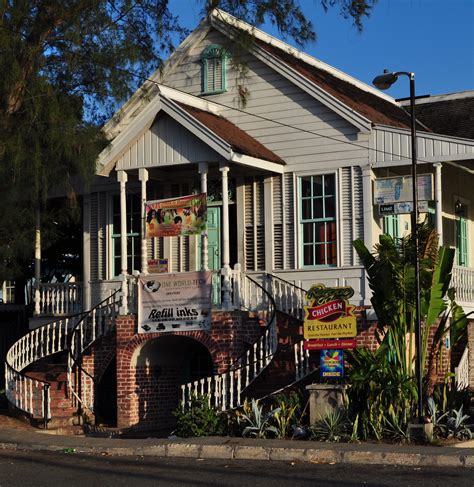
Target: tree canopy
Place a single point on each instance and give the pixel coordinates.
(65, 68)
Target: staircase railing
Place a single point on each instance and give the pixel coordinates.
(289, 298)
(27, 393)
(225, 390)
(59, 298)
(97, 323)
(461, 372)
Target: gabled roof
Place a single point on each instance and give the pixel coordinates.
(450, 114)
(195, 115)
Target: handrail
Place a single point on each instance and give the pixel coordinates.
(289, 297)
(73, 361)
(224, 390)
(41, 342)
(272, 276)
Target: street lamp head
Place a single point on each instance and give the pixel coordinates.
(385, 80)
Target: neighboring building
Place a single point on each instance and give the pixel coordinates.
(288, 150)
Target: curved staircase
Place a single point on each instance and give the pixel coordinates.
(56, 390)
(52, 394)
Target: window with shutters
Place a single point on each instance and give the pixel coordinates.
(134, 222)
(318, 226)
(391, 226)
(213, 70)
(462, 244)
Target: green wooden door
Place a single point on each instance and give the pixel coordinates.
(213, 249)
(462, 241)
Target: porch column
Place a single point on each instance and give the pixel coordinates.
(204, 252)
(368, 214)
(37, 262)
(86, 250)
(439, 202)
(122, 178)
(143, 177)
(226, 299)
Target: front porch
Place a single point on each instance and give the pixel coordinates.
(66, 299)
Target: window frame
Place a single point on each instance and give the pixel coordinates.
(335, 219)
(213, 53)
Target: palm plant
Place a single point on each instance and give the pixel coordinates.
(391, 275)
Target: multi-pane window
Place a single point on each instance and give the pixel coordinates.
(318, 220)
(134, 222)
(213, 70)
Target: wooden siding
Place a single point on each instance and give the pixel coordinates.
(272, 97)
(395, 145)
(166, 143)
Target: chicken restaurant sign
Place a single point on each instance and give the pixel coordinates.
(330, 315)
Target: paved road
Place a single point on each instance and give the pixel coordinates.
(20, 468)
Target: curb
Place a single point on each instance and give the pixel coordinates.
(245, 452)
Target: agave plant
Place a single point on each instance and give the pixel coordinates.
(258, 422)
(333, 427)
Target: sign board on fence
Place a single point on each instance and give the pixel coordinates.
(330, 315)
(399, 189)
(174, 302)
(402, 208)
(331, 364)
(342, 343)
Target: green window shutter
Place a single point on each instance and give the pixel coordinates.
(391, 226)
(214, 76)
(462, 241)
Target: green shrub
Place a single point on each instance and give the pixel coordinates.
(288, 413)
(257, 423)
(200, 419)
(334, 427)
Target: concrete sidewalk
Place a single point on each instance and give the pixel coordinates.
(246, 449)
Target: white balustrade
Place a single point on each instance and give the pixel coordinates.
(461, 372)
(60, 298)
(462, 279)
(31, 395)
(225, 390)
(301, 360)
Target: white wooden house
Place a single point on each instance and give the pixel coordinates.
(287, 148)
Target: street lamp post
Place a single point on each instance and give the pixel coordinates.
(383, 82)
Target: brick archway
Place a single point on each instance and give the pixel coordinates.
(225, 342)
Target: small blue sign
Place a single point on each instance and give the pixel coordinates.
(331, 364)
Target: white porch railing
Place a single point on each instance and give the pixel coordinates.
(32, 395)
(60, 298)
(461, 372)
(462, 279)
(225, 390)
(289, 298)
(25, 393)
(301, 361)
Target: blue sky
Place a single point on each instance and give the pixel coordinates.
(433, 38)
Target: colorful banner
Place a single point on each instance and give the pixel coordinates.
(331, 364)
(157, 266)
(176, 216)
(174, 302)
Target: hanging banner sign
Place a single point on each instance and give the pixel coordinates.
(331, 364)
(343, 343)
(399, 189)
(330, 315)
(176, 216)
(174, 302)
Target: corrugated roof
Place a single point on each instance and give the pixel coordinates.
(239, 140)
